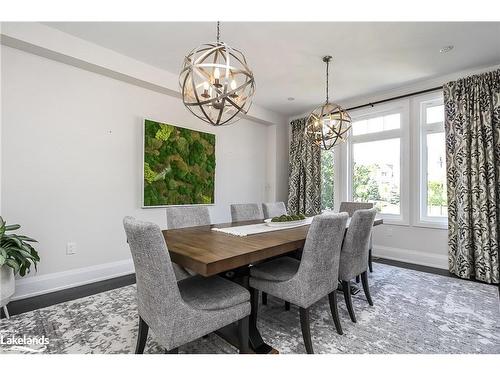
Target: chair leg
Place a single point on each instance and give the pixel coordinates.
(332, 299)
(287, 306)
(172, 351)
(264, 298)
(142, 336)
(6, 312)
(346, 288)
(357, 279)
(370, 266)
(366, 288)
(243, 328)
(306, 330)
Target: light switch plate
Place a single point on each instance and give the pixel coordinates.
(71, 248)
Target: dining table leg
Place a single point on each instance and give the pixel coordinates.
(229, 333)
(257, 343)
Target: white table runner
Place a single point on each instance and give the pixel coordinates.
(246, 230)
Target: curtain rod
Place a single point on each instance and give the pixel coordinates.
(371, 104)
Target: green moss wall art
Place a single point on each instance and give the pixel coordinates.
(179, 165)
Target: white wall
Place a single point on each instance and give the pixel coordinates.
(278, 167)
(71, 159)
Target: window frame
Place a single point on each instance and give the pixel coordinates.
(421, 130)
(402, 107)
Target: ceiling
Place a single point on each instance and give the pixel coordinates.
(286, 57)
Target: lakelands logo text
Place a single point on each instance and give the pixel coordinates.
(23, 340)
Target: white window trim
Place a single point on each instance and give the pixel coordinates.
(420, 130)
(402, 107)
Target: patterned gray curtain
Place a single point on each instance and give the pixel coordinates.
(304, 180)
(472, 125)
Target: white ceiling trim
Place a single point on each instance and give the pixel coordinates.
(53, 44)
(285, 57)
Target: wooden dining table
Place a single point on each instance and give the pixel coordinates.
(208, 252)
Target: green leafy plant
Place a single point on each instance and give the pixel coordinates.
(436, 195)
(16, 251)
(364, 186)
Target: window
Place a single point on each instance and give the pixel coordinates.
(376, 174)
(433, 201)
(376, 162)
(376, 124)
(395, 157)
(327, 180)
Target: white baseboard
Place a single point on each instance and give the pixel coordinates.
(36, 285)
(411, 256)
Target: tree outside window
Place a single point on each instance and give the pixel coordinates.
(327, 180)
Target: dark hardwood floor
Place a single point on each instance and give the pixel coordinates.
(436, 271)
(416, 267)
(38, 302)
(49, 299)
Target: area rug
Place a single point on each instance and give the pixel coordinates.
(414, 312)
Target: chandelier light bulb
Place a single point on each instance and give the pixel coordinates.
(234, 95)
(205, 94)
(216, 73)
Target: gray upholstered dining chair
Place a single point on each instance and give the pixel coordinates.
(246, 212)
(350, 208)
(273, 209)
(183, 217)
(180, 312)
(306, 281)
(187, 216)
(354, 255)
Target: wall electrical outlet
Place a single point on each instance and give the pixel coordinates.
(71, 248)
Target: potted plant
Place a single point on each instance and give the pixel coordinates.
(16, 256)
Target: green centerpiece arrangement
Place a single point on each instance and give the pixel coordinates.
(288, 218)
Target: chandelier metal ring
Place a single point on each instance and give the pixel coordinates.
(216, 83)
(328, 124)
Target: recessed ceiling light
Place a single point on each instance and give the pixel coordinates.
(290, 99)
(446, 49)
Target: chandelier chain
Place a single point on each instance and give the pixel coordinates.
(218, 31)
(327, 76)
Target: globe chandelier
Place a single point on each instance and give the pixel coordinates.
(217, 85)
(328, 124)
